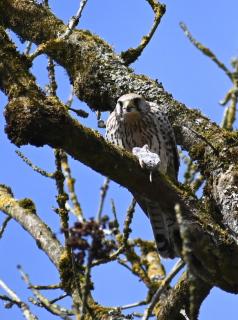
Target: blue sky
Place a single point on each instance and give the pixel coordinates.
(191, 77)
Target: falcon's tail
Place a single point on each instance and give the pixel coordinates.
(164, 227)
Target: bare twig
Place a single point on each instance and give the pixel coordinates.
(4, 225)
(192, 177)
(125, 235)
(216, 152)
(132, 54)
(133, 305)
(28, 47)
(230, 115)
(114, 212)
(62, 197)
(62, 296)
(103, 194)
(81, 113)
(137, 315)
(205, 50)
(70, 181)
(164, 284)
(126, 230)
(70, 99)
(74, 20)
(232, 94)
(52, 87)
(42, 287)
(16, 300)
(123, 262)
(6, 298)
(33, 166)
(197, 182)
(128, 221)
(48, 305)
(86, 286)
(232, 97)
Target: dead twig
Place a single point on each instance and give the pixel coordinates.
(124, 237)
(103, 194)
(4, 225)
(33, 166)
(70, 181)
(74, 20)
(14, 299)
(205, 50)
(132, 54)
(43, 301)
(49, 287)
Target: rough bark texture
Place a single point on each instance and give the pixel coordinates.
(100, 77)
(209, 227)
(179, 297)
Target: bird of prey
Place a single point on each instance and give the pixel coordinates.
(136, 123)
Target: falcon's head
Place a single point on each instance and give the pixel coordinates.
(131, 106)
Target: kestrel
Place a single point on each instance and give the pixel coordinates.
(137, 123)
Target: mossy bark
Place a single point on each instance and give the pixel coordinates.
(99, 78)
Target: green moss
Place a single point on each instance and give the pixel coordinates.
(27, 204)
(8, 189)
(66, 271)
(197, 151)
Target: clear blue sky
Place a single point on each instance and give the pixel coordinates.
(191, 77)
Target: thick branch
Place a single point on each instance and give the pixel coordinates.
(99, 77)
(23, 211)
(39, 120)
(132, 54)
(179, 298)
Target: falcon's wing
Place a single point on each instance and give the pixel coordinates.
(167, 127)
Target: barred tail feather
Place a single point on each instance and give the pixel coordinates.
(163, 226)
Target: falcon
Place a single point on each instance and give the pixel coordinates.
(136, 123)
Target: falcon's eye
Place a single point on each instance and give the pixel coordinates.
(137, 102)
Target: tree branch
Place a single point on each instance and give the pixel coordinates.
(179, 298)
(129, 56)
(23, 211)
(14, 299)
(99, 77)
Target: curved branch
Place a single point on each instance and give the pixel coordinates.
(23, 211)
(179, 299)
(129, 56)
(99, 76)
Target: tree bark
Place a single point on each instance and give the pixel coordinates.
(99, 78)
